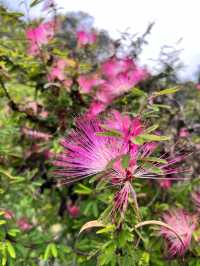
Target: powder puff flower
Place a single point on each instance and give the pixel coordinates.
(39, 36)
(122, 75)
(84, 38)
(85, 152)
(114, 66)
(88, 152)
(127, 126)
(87, 82)
(95, 108)
(184, 225)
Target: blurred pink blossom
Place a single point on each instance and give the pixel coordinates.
(183, 224)
(114, 66)
(57, 71)
(198, 86)
(44, 114)
(67, 83)
(84, 38)
(39, 36)
(34, 134)
(8, 215)
(184, 132)
(24, 224)
(120, 75)
(165, 183)
(73, 210)
(87, 82)
(95, 108)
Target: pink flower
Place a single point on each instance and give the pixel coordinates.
(198, 86)
(67, 83)
(183, 224)
(23, 224)
(165, 183)
(121, 198)
(196, 199)
(73, 210)
(57, 71)
(127, 126)
(87, 82)
(8, 215)
(114, 66)
(95, 108)
(48, 154)
(183, 132)
(87, 152)
(36, 135)
(84, 38)
(39, 36)
(44, 114)
(32, 107)
(122, 75)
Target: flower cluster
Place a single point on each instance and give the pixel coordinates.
(85, 38)
(116, 77)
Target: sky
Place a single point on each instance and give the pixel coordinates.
(174, 19)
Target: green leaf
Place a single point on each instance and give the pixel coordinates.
(152, 128)
(110, 133)
(47, 252)
(125, 236)
(166, 92)
(4, 261)
(13, 232)
(153, 169)
(108, 254)
(144, 260)
(35, 2)
(54, 250)
(82, 190)
(106, 229)
(125, 161)
(2, 222)
(151, 137)
(154, 159)
(148, 138)
(138, 92)
(4, 255)
(10, 249)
